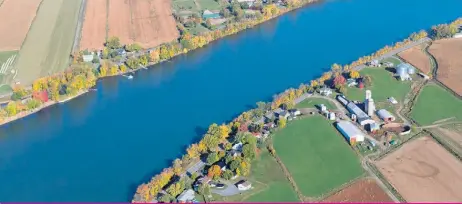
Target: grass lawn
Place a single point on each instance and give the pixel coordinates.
(313, 102)
(5, 55)
(435, 103)
(316, 155)
(184, 5)
(392, 60)
(268, 181)
(209, 4)
(199, 28)
(384, 85)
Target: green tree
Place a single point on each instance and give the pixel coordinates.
(165, 198)
(33, 104)
(113, 43)
(228, 174)
(212, 158)
(132, 63)
(248, 151)
(11, 109)
(204, 189)
(282, 122)
(234, 165)
(135, 47)
(228, 158)
(225, 13)
(443, 31)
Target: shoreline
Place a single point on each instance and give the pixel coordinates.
(132, 71)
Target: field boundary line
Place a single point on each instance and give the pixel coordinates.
(289, 177)
(27, 35)
(79, 29)
(445, 146)
(385, 182)
(107, 21)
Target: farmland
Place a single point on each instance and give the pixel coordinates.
(317, 156)
(423, 171)
(17, 16)
(447, 53)
(147, 22)
(277, 187)
(94, 27)
(49, 41)
(417, 58)
(363, 191)
(380, 78)
(435, 103)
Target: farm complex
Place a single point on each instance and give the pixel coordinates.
(146, 22)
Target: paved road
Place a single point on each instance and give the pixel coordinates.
(230, 189)
(396, 51)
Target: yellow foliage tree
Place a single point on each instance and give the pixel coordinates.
(224, 131)
(113, 70)
(354, 74)
(193, 151)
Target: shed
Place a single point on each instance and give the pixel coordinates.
(385, 115)
(351, 133)
(87, 58)
(186, 196)
(210, 15)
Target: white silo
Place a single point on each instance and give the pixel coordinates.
(370, 107)
(402, 71)
(368, 94)
(411, 70)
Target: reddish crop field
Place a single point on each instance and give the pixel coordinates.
(94, 26)
(363, 191)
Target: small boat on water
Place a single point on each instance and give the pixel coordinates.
(130, 77)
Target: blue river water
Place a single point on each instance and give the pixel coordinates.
(100, 146)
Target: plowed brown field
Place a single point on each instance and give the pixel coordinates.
(147, 22)
(16, 17)
(448, 54)
(363, 191)
(423, 171)
(153, 22)
(417, 58)
(120, 20)
(94, 26)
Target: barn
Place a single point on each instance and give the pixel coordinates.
(385, 115)
(351, 133)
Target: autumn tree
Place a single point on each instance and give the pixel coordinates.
(176, 188)
(103, 70)
(224, 131)
(11, 109)
(244, 168)
(339, 80)
(443, 31)
(123, 68)
(114, 69)
(177, 169)
(336, 68)
(132, 63)
(354, 74)
(214, 172)
(282, 122)
(193, 151)
(135, 47)
(33, 104)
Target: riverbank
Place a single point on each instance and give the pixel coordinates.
(241, 26)
(243, 123)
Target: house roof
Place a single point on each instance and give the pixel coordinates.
(196, 167)
(207, 12)
(349, 128)
(243, 183)
(187, 195)
(360, 114)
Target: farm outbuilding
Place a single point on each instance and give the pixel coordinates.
(385, 115)
(351, 133)
(361, 116)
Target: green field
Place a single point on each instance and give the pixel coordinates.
(209, 4)
(198, 29)
(384, 85)
(50, 39)
(313, 102)
(277, 188)
(317, 156)
(435, 103)
(180, 5)
(4, 55)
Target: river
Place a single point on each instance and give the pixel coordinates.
(100, 146)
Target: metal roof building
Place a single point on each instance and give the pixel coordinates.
(361, 116)
(385, 115)
(351, 133)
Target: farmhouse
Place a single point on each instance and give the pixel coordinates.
(243, 185)
(385, 115)
(361, 116)
(351, 133)
(186, 196)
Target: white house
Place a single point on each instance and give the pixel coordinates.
(186, 196)
(325, 91)
(243, 185)
(351, 133)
